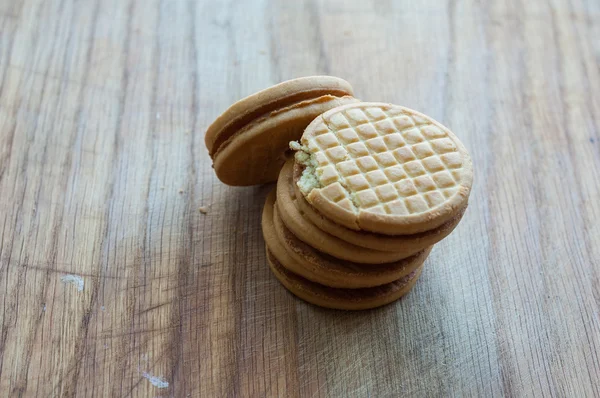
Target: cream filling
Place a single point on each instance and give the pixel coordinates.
(309, 179)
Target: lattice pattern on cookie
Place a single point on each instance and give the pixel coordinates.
(385, 160)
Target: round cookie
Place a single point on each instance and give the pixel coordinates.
(399, 243)
(307, 262)
(383, 168)
(342, 299)
(307, 232)
(249, 141)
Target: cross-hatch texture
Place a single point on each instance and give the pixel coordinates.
(385, 160)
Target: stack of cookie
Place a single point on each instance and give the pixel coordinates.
(371, 188)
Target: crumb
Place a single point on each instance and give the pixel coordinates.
(156, 381)
(74, 280)
(203, 209)
(181, 191)
(263, 52)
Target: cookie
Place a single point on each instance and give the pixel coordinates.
(307, 232)
(248, 142)
(342, 299)
(400, 243)
(383, 168)
(309, 263)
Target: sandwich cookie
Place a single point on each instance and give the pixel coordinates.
(407, 244)
(303, 260)
(248, 142)
(342, 299)
(383, 168)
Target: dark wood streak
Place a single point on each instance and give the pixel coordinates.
(20, 384)
(487, 152)
(25, 157)
(142, 262)
(174, 348)
(71, 269)
(190, 253)
(125, 83)
(573, 165)
(80, 344)
(537, 229)
(508, 370)
(238, 287)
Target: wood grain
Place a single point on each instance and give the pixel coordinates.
(103, 105)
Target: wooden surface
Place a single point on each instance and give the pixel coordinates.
(103, 106)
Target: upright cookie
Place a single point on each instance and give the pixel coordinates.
(248, 142)
(383, 168)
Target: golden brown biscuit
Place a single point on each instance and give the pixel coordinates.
(342, 299)
(248, 142)
(400, 243)
(307, 232)
(318, 267)
(383, 168)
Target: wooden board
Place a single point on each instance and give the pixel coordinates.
(103, 170)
